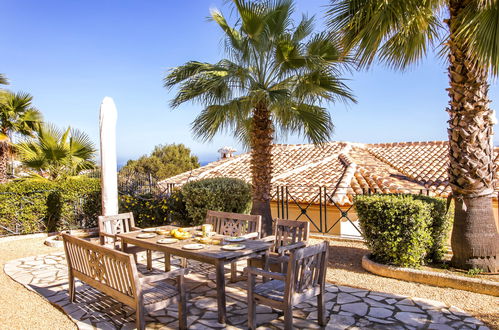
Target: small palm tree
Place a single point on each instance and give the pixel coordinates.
(399, 33)
(17, 116)
(275, 80)
(56, 154)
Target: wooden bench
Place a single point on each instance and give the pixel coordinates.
(115, 274)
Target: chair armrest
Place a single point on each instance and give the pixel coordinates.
(270, 238)
(107, 235)
(135, 228)
(283, 249)
(250, 235)
(165, 276)
(264, 273)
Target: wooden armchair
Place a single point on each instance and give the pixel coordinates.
(235, 224)
(114, 273)
(111, 225)
(304, 279)
(288, 235)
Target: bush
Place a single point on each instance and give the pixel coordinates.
(396, 228)
(149, 210)
(441, 220)
(31, 206)
(178, 210)
(218, 194)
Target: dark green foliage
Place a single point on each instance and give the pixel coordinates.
(149, 210)
(178, 210)
(165, 161)
(218, 194)
(40, 205)
(441, 221)
(396, 228)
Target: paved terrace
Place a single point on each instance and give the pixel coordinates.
(347, 308)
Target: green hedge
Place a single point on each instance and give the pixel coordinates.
(404, 230)
(218, 194)
(441, 221)
(31, 206)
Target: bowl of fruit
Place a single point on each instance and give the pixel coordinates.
(180, 233)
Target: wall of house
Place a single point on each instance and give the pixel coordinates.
(343, 227)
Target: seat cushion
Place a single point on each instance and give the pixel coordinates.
(273, 289)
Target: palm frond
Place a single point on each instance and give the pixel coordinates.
(3, 80)
(478, 29)
(399, 31)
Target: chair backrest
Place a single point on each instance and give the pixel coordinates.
(110, 271)
(307, 270)
(234, 224)
(290, 231)
(115, 224)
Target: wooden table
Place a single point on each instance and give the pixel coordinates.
(211, 254)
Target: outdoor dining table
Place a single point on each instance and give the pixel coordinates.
(211, 254)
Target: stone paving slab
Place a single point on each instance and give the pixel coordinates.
(346, 307)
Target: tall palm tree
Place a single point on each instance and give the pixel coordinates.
(274, 80)
(56, 154)
(399, 33)
(17, 116)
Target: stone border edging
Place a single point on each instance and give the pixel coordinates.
(431, 278)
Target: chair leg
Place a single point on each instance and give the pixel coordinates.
(321, 310)
(71, 288)
(149, 259)
(251, 303)
(140, 321)
(167, 262)
(182, 306)
(288, 318)
(233, 272)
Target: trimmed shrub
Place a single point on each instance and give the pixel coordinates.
(218, 194)
(178, 210)
(396, 228)
(32, 206)
(440, 225)
(149, 210)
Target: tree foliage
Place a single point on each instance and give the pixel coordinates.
(270, 61)
(164, 161)
(55, 153)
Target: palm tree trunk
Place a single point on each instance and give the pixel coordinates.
(261, 165)
(475, 238)
(4, 160)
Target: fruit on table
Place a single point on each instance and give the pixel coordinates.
(180, 233)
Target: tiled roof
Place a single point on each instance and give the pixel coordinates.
(344, 168)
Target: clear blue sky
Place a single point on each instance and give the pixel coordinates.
(70, 54)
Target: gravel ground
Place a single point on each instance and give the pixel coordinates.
(20, 308)
(23, 309)
(345, 269)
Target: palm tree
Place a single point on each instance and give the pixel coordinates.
(274, 80)
(399, 34)
(56, 154)
(17, 116)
